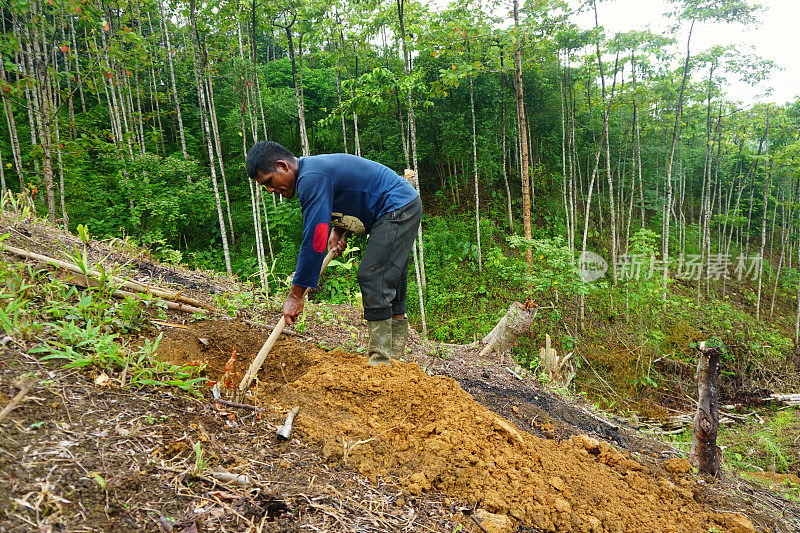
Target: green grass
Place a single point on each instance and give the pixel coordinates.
(771, 446)
(86, 328)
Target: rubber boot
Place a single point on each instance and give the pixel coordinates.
(380, 342)
(399, 337)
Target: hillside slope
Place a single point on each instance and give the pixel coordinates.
(416, 446)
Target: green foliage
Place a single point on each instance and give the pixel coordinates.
(339, 284)
(467, 301)
(554, 269)
(768, 444)
(200, 464)
(83, 328)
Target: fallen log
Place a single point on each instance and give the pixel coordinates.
(677, 424)
(169, 304)
(705, 454)
(790, 400)
(135, 286)
(516, 322)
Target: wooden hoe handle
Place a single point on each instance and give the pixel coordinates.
(255, 366)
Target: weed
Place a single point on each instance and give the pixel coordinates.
(200, 463)
(769, 446)
(231, 303)
(100, 480)
(441, 352)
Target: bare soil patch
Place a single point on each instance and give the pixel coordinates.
(425, 433)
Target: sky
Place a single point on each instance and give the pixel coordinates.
(774, 38)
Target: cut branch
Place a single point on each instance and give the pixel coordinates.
(26, 386)
(184, 302)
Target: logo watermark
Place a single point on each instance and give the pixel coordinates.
(687, 267)
(591, 266)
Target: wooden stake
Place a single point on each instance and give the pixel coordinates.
(705, 454)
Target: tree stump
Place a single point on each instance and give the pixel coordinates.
(516, 322)
(705, 455)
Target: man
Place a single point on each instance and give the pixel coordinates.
(354, 194)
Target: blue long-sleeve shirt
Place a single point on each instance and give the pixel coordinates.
(346, 184)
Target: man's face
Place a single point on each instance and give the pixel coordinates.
(281, 180)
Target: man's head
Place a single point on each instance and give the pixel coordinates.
(273, 166)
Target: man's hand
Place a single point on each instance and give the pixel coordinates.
(293, 305)
(337, 240)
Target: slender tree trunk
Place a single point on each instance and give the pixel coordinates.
(218, 145)
(504, 148)
(303, 128)
(574, 166)
(60, 166)
(68, 76)
(3, 187)
(564, 192)
(199, 74)
(25, 62)
(139, 112)
(784, 246)
(78, 74)
(668, 180)
(256, 77)
(154, 94)
(523, 143)
(266, 228)
(609, 176)
(256, 212)
(767, 187)
(16, 153)
(419, 257)
(295, 79)
(339, 95)
(403, 137)
(175, 98)
(475, 173)
(797, 316)
(254, 189)
(43, 110)
(356, 134)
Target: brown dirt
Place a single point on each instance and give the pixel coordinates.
(430, 435)
(75, 456)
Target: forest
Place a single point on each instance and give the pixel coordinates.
(606, 180)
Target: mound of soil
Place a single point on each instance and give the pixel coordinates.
(430, 435)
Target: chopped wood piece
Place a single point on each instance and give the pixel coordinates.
(559, 369)
(25, 387)
(791, 400)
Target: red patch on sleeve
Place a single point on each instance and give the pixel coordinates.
(320, 237)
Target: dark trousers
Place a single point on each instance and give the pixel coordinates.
(382, 274)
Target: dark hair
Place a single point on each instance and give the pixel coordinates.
(263, 155)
